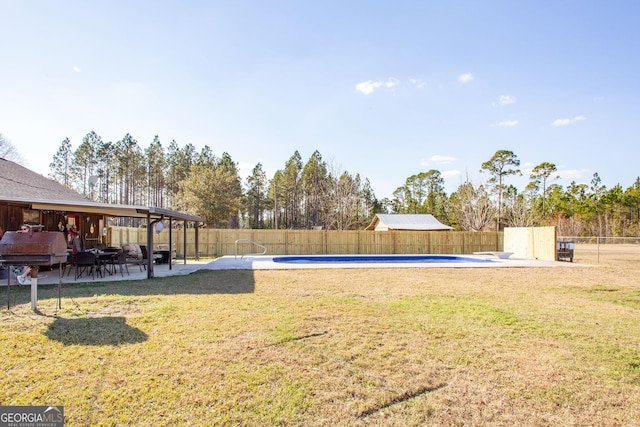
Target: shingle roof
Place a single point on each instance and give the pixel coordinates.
(18, 182)
(424, 222)
(22, 185)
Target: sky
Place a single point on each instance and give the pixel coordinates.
(381, 89)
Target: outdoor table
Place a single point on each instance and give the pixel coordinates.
(104, 259)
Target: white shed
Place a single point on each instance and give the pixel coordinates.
(418, 222)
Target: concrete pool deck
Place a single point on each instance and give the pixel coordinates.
(265, 262)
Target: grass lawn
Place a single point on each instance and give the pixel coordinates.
(402, 347)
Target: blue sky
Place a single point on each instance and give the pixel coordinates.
(383, 89)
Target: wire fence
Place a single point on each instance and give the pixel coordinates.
(604, 250)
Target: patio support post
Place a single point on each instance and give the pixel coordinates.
(184, 242)
(149, 247)
(150, 258)
(170, 242)
(197, 242)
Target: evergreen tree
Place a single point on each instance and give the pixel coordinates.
(179, 163)
(213, 192)
(60, 166)
(291, 190)
(501, 165)
(631, 200)
(107, 165)
(314, 188)
(256, 197)
(540, 176)
(131, 171)
(156, 164)
(85, 161)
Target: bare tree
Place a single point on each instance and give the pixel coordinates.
(343, 202)
(472, 208)
(569, 226)
(518, 209)
(8, 151)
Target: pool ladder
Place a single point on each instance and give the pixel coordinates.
(264, 248)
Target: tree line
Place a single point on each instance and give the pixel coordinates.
(314, 194)
(301, 195)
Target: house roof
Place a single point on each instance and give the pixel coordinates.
(424, 222)
(19, 182)
(21, 185)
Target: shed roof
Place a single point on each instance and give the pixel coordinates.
(424, 222)
(21, 185)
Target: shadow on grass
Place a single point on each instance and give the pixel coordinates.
(198, 283)
(94, 331)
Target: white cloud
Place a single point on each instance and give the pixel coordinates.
(465, 78)
(561, 122)
(573, 174)
(565, 122)
(508, 123)
(368, 87)
(442, 160)
(420, 84)
(450, 173)
(76, 69)
(438, 160)
(391, 82)
(507, 99)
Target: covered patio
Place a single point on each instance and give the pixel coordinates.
(29, 198)
(46, 206)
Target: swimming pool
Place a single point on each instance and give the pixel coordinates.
(284, 262)
(313, 259)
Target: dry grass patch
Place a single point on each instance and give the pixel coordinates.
(549, 346)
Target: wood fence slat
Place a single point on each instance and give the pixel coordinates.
(219, 242)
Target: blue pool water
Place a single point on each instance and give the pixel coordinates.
(310, 259)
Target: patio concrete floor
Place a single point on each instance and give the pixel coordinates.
(135, 273)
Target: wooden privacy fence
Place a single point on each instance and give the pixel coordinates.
(218, 242)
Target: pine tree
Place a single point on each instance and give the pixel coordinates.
(60, 166)
(501, 165)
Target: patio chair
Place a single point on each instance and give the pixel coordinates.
(133, 254)
(120, 259)
(145, 256)
(71, 263)
(86, 261)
